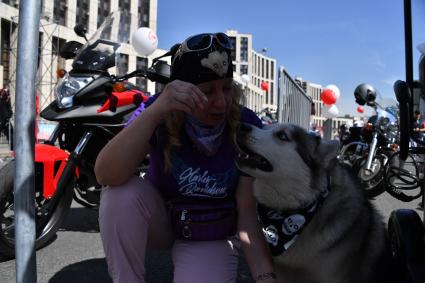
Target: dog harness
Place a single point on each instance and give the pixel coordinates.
(282, 228)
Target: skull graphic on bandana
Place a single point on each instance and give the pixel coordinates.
(217, 62)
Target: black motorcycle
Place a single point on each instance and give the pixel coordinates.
(383, 142)
(377, 141)
(90, 108)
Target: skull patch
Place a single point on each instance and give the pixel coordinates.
(293, 224)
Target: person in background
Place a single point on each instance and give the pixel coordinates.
(5, 111)
(188, 130)
(418, 123)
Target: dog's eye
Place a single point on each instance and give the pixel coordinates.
(282, 136)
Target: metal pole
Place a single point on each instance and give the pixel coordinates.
(28, 37)
(408, 48)
(408, 41)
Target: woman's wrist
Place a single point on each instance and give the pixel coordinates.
(265, 276)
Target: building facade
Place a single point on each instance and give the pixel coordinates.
(313, 91)
(57, 21)
(258, 68)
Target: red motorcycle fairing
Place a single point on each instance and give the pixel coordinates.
(51, 157)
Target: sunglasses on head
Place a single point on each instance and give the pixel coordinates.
(204, 41)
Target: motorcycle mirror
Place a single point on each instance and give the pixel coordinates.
(81, 31)
(159, 72)
(402, 93)
(70, 49)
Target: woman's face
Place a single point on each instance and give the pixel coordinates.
(219, 94)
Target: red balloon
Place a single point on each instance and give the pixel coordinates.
(265, 86)
(360, 109)
(328, 96)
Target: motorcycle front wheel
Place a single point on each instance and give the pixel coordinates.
(45, 228)
(372, 180)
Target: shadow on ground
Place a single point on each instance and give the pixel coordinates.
(159, 269)
(81, 219)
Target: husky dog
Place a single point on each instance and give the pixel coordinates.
(319, 224)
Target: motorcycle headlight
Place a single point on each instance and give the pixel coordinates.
(383, 123)
(68, 87)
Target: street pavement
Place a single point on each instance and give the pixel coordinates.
(76, 254)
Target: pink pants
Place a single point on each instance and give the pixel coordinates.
(133, 218)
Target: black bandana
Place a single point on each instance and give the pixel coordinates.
(282, 228)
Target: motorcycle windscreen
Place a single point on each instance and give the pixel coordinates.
(98, 56)
(102, 50)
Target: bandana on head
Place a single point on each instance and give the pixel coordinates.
(202, 66)
(206, 139)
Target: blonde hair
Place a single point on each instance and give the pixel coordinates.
(175, 121)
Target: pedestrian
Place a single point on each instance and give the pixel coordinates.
(418, 123)
(418, 133)
(5, 111)
(193, 198)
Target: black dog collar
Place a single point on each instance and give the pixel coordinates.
(282, 228)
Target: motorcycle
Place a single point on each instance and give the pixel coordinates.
(383, 142)
(352, 144)
(379, 140)
(91, 106)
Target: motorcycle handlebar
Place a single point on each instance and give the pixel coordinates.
(159, 72)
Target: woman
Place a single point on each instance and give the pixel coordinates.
(189, 133)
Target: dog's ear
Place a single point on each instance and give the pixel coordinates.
(326, 151)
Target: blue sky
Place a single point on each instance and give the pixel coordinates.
(326, 42)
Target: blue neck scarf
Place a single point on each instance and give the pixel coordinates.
(206, 139)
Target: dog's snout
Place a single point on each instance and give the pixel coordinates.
(245, 128)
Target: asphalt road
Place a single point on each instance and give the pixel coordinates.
(76, 254)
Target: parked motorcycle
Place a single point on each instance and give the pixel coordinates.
(91, 106)
(352, 143)
(379, 140)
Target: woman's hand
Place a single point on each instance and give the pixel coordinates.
(180, 96)
(252, 238)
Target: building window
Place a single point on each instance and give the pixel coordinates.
(83, 9)
(141, 64)
(244, 49)
(143, 13)
(267, 69)
(262, 67)
(244, 69)
(103, 10)
(57, 45)
(125, 20)
(272, 70)
(272, 93)
(233, 43)
(59, 12)
(6, 51)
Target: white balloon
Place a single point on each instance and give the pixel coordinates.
(144, 41)
(245, 78)
(335, 89)
(329, 111)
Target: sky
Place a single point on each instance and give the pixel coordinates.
(338, 42)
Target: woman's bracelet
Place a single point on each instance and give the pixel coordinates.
(265, 276)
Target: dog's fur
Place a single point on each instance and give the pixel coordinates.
(345, 241)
